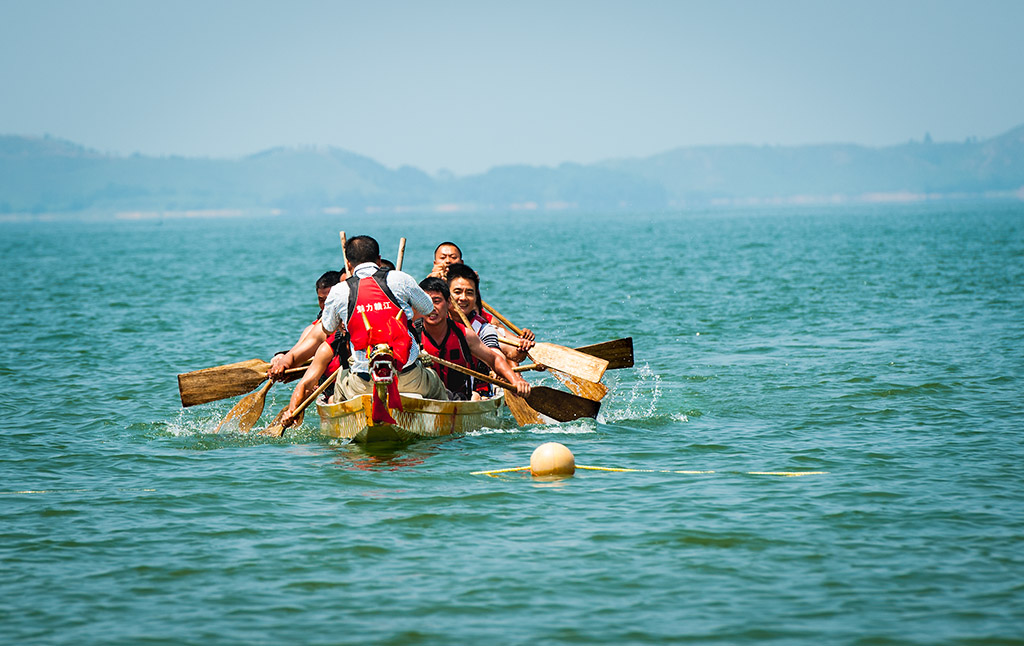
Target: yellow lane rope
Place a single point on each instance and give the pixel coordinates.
(785, 474)
(488, 473)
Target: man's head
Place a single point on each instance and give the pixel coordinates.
(464, 285)
(447, 253)
(438, 292)
(361, 249)
(324, 285)
(387, 264)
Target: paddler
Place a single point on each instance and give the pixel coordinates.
(284, 360)
(332, 355)
(464, 284)
(377, 306)
(451, 340)
(446, 254)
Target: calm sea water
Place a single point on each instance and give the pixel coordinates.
(882, 345)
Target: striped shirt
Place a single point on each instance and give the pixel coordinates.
(487, 332)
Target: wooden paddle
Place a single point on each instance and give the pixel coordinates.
(520, 410)
(248, 409)
(556, 404)
(559, 357)
(276, 428)
(221, 382)
(619, 354)
(567, 360)
(401, 254)
(582, 387)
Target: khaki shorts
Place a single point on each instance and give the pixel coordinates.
(420, 381)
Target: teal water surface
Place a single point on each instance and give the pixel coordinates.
(881, 345)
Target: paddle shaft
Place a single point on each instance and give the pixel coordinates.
(501, 318)
(401, 254)
(472, 373)
(452, 305)
(344, 258)
(316, 393)
(560, 405)
(276, 428)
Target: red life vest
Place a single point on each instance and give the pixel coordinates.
(335, 363)
(375, 316)
(452, 347)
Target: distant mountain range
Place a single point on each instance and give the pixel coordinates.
(45, 175)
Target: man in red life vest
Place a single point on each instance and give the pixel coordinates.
(450, 340)
(377, 306)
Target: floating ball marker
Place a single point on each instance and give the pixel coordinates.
(552, 459)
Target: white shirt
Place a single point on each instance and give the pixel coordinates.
(407, 292)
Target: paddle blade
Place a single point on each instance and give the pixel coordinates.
(569, 361)
(561, 406)
(274, 430)
(586, 389)
(618, 353)
(247, 411)
(520, 410)
(220, 382)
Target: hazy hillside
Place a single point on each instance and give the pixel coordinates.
(694, 174)
(43, 175)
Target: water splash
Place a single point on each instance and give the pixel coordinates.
(640, 402)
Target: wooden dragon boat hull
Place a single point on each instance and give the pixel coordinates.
(421, 418)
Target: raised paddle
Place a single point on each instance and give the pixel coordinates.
(556, 404)
(582, 387)
(276, 428)
(221, 382)
(248, 410)
(619, 354)
(567, 360)
(401, 254)
(559, 357)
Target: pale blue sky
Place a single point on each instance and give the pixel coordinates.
(469, 85)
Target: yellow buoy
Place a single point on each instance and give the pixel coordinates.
(552, 459)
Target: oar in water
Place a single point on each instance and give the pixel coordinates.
(276, 428)
(556, 404)
(567, 360)
(247, 410)
(582, 387)
(221, 382)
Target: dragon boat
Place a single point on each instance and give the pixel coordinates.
(386, 415)
(352, 420)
